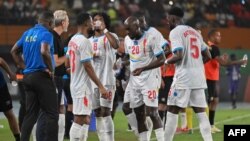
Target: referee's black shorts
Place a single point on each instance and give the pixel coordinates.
(163, 92)
(5, 99)
(211, 89)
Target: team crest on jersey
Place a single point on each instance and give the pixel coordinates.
(135, 42)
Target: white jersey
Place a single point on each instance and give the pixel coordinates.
(141, 53)
(189, 72)
(79, 52)
(163, 42)
(104, 59)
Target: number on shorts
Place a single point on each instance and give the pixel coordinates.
(152, 94)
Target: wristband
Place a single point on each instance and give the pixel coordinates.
(166, 62)
(105, 31)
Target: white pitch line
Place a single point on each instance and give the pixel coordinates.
(219, 122)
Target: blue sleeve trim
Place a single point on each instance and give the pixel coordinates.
(177, 49)
(159, 53)
(134, 60)
(204, 49)
(86, 60)
(164, 45)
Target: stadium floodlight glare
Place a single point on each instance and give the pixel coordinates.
(154, 0)
(243, 2)
(112, 0)
(171, 2)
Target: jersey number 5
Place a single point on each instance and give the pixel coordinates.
(194, 48)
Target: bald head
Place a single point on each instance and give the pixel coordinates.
(132, 26)
(132, 21)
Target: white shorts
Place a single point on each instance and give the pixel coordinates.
(126, 98)
(187, 97)
(82, 106)
(101, 102)
(146, 96)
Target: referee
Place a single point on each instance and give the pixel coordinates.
(36, 46)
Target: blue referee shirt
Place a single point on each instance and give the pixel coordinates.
(30, 44)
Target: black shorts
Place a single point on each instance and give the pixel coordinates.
(163, 93)
(5, 99)
(211, 89)
(66, 88)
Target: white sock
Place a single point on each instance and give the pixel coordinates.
(143, 136)
(34, 132)
(170, 127)
(84, 132)
(205, 128)
(100, 129)
(159, 133)
(132, 121)
(183, 120)
(109, 128)
(61, 127)
(149, 124)
(75, 132)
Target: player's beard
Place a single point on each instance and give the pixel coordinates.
(91, 32)
(98, 30)
(172, 27)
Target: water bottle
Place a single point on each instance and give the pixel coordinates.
(244, 58)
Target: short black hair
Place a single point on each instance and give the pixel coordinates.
(139, 14)
(105, 17)
(82, 18)
(46, 16)
(211, 32)
(176, 11)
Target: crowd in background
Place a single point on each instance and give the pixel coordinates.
(216, 13)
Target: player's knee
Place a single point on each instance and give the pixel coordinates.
(152, 114)
(126, 109)
(98, 112)
(86, 120)
(106, 113)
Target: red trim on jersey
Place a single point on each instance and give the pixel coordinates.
(144, 45)
(104, 41)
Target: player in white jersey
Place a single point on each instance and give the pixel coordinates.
(126, 109)
(80, 55)
(189, 80)
(104, 44)
(146, 55)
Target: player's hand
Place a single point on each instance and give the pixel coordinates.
(225, 57)
(244, 62)
(137, 71)
(103, 92)
(51, 74)
(12, 76)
